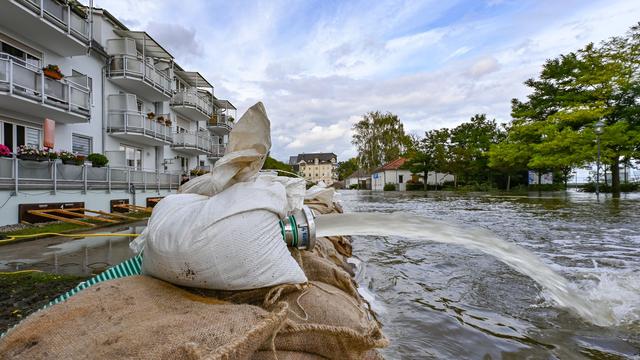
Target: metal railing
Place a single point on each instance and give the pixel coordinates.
(25, 80)
(135, 67)
(193, 99)
(123, 121)
(17, 174)
(196, 140)
(217, 151)
(221, 120)
(61, 16)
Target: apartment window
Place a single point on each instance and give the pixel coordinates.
(139, 102)
(81, 144)
(14, 136)
(19, 54)
(133, 156)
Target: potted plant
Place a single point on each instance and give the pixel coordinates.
(97, 160)
(53, 72)
(5, 151)
(70, 158)
(30, 153)
(167, 122)
(151, 115)
(50, 154)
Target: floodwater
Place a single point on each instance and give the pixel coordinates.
(445, 301)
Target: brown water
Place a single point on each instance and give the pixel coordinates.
(445, 301)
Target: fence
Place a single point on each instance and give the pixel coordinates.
(17, 174)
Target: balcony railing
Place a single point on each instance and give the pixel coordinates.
(137, 123)
(17, 175)
(194, 140)
(27, 81)
(61, 16)
(217, 151)
(135, 67)
(221, 121)
(193, 99)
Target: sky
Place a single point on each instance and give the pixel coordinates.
(318, 66)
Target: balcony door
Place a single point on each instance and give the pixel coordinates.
(14, 135)
(132, 156)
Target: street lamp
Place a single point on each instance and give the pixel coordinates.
(598, 129)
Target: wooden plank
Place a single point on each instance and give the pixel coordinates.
(110, 214)
(60, 218)
(67, 212)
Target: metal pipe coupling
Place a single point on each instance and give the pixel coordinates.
(299, 229)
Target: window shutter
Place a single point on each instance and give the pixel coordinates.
(32, 137)
(81, 145)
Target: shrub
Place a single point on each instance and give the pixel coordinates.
(389, 187)
(354, 186)
(198, 172)
(415, 185)
(97, 160)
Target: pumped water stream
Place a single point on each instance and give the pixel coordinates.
(417, 228)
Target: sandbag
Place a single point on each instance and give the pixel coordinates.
(222, 230)
(319, 269)
(325, 321)
(142, 318)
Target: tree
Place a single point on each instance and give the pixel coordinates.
(470, 145)
(273, 164)
(346, 168)
(379, 138)
(419, 161)
(554, 126)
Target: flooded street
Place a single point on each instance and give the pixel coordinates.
(442, 301)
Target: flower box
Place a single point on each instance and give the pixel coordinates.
(72, 161)
(52, 74)
(30, 157)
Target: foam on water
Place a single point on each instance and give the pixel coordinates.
(604, 299)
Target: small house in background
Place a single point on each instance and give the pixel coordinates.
(361, 178)
(392, 173)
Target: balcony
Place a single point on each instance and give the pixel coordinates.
(192, 143)
(220, 124)
(138, 76)
(17, 175)
(192, 105)
(21, 91)
(126, 122)
(217, 151)
(52, 24)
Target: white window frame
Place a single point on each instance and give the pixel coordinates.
(86, 137)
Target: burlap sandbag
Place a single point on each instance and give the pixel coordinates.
(143, 318)
(317, 268)
(326, 250)
(342, 244)
(284, 355)
(325, 321)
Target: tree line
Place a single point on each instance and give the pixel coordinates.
(552, 130)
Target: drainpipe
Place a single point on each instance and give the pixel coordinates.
(104, 108)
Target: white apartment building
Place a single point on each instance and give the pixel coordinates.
(122, 95)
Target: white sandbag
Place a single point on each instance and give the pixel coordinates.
(321, 193)
(249, 144)
(222, 231)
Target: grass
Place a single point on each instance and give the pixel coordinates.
(24, 292)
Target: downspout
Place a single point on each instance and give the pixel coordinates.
(104, 107)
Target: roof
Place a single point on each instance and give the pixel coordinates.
(151, 47)
(322, 157)
(392, 165)
(359, 173)
(224, 104)
(193, 78)
(293, 160)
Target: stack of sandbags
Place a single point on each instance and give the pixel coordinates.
(142, 318)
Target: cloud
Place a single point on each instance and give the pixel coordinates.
(319, 66)
(176, 38)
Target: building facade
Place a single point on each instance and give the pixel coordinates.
(316, 167)
(394, 174)
(360, 179)
(100, 88)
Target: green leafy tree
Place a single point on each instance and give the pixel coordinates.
(379, 138)
(553, 128)
(273, 164)
(346, 168)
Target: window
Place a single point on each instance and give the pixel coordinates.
(15, 135)
(81, 144)
(133, 156)
(400, 179)
(19, 54)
